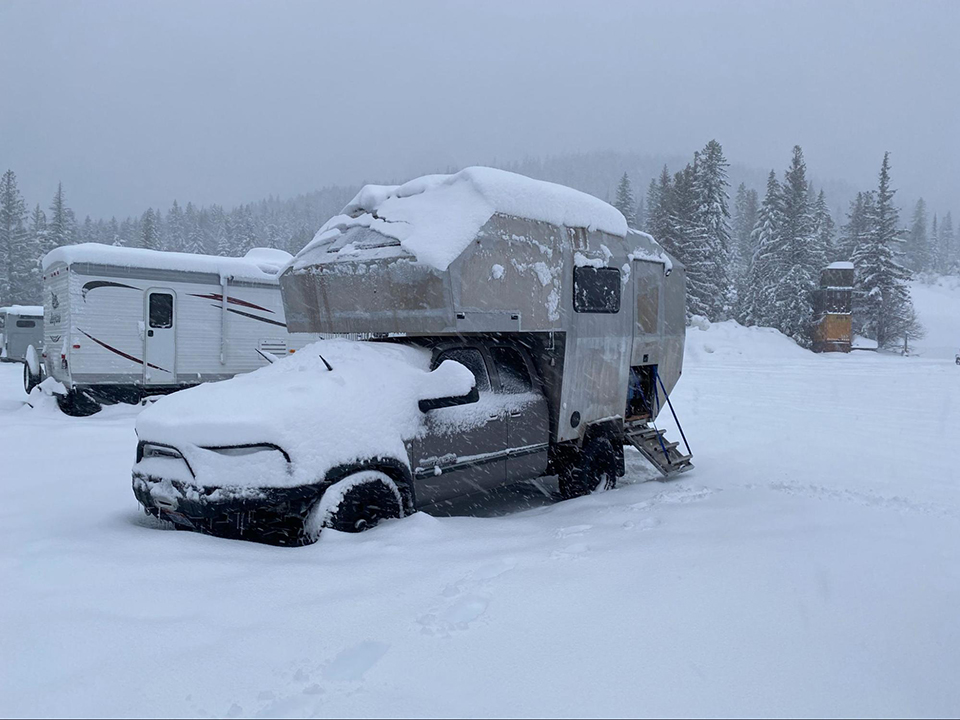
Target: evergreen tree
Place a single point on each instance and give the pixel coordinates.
(883, 309)
(113, 233)
(824, 231)
(934, 245)
(687, 235)
(918, 248)
(13, 214)
(756, 302)
(87, 231)
(624, 201)
(221, 232)
(38, 232)
(149, 234)
(61, 226)
(193, 242)
(709, 263)
(660, 211)
(640, 214)
(947, 242)
(857, 227)
(745, 211)
(176, 229)
(798, 256)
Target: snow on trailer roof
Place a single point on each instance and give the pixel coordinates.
(435, 217)
(842, 265)
(24, 310)
(258, 264)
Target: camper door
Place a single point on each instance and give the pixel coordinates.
(160, 338)
(648, 277)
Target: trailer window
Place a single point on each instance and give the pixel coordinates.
(161, 310)
(514, 377)
(26, 323)
(596, 290)
(472, 360)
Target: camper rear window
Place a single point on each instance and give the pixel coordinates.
(596, 290)
(26, 323)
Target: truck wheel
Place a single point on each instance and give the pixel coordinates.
(77, 404)
(594, 469)
(356, 503)
(32, 372)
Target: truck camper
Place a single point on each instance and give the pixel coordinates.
(520, 329)
(124, 323)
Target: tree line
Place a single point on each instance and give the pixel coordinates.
(756, 260)
(760, 264)
(26, 236)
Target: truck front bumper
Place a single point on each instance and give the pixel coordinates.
(268, 515)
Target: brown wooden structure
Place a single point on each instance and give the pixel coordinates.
(833, 330)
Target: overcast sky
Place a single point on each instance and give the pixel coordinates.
(133, 104)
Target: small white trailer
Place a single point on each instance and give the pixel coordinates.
(20, 327)
(124, 323)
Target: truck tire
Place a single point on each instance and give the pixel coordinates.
(594, 469)
(32, 370)
(356, 503)
(77, 404)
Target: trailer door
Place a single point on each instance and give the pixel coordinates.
(160, 341)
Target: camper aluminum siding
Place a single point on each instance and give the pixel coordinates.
(98, 329)
(517, 276)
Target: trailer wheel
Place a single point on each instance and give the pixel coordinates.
(594, 469)
(77, 404)
(32, 370)
(356, 503)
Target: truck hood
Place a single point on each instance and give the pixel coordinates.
(365, 407)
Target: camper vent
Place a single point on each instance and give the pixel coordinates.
(274, 347)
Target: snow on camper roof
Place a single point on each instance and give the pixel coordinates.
(259, 263)
(23, 310)
(435, 217)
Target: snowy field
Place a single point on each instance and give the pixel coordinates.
(809, 565)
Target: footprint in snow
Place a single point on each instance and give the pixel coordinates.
(458, 615)
(571, 531)
(351, 664)
(571, 551)
(647, 523)
(465, 601)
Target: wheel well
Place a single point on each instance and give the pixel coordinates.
(391, 467)
(568, 453)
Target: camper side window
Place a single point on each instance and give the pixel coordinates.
(596, 290)
(26, 323)
(161, 310)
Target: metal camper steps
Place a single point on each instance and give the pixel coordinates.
(662, 455)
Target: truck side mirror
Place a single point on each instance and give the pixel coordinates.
(433, 403)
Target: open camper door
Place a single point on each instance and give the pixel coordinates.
(160, 338)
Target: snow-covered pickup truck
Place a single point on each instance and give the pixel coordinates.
(344, 434)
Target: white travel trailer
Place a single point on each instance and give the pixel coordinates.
(123, 323)
(20, 327)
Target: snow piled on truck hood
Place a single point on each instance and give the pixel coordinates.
(435, 217)
(365, 407)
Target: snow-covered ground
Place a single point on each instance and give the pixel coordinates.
(809, 565)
